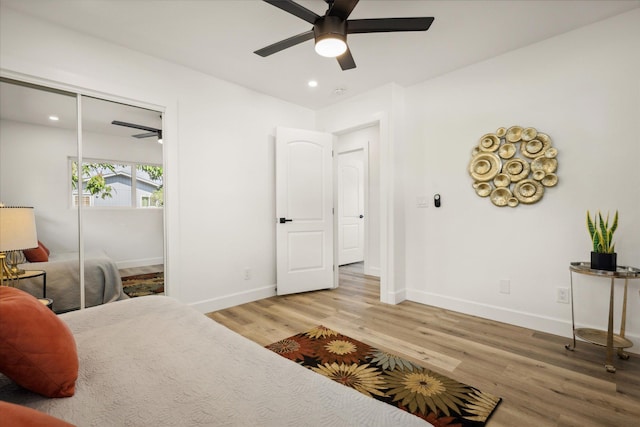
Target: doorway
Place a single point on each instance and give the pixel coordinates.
(351, 192)
(358, 201)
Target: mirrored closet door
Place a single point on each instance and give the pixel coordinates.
(38, 134)
(97, 194)
(122, 199)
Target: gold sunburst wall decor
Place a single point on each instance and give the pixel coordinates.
(513, 165)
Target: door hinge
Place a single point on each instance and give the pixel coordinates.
(331, 153)
(333, 211)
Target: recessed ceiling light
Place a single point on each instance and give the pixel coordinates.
(54, 118)
(313, 83)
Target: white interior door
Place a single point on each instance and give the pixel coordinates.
(304, 210)
(351, 211)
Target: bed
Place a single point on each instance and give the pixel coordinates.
(102, 280)
(153, 361)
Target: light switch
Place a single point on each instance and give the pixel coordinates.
(422, 202)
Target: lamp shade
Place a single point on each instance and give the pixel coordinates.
(17, 228)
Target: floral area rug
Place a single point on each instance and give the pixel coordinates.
(143, 284)
(433, 397)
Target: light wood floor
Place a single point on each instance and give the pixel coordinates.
(540, 382)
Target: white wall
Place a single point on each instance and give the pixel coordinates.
(219, 176)
(582, 89)
(34, 172)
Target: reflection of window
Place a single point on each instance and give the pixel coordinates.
(86, 200)
(109, 184)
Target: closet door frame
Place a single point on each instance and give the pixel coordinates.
(79, 93)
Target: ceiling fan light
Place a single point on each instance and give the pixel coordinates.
(331, 46)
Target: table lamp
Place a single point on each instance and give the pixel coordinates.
(17, 232)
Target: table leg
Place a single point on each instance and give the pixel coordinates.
(572, 347)
(621, 353)
(609, 362)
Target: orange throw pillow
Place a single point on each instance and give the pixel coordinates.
(21, 416)
(37, 349)
(39, 254)
(46, 249)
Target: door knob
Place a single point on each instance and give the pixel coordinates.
(283, 220)
(361, 216)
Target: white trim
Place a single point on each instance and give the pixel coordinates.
(336, 212)
(232, 300)
(371, 271)
(46, 83)
(397, 297)
(523, 319)
(80, 206)
(387, 284)
(365, 208)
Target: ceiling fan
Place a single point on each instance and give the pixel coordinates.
(149, 130)
(330, 30)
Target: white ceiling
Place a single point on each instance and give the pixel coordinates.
(34, 106)
(218, 37)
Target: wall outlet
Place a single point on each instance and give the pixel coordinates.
(563, 295)
(247, 273)
(505, 286)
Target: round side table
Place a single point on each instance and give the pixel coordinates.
(47, 302)
(607, 338)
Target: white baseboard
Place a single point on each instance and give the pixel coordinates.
(397, 297)
(523, 319)
(139, 262)
(226, 301)
(372, 271)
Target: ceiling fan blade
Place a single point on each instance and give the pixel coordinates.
(295, 9)
(283, 44)
(135, 126)
(346, 60)
(342, 8)
(145, 135)
(383, 25)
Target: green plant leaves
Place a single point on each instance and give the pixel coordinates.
(600, 232)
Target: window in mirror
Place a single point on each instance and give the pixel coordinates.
(109, 184)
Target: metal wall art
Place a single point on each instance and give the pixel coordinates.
(513, 166)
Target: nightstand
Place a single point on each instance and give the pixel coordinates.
(47, 302)
(28, 274)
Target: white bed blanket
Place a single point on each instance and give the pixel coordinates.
(153, 361)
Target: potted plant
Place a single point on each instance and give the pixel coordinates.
(603, 256)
